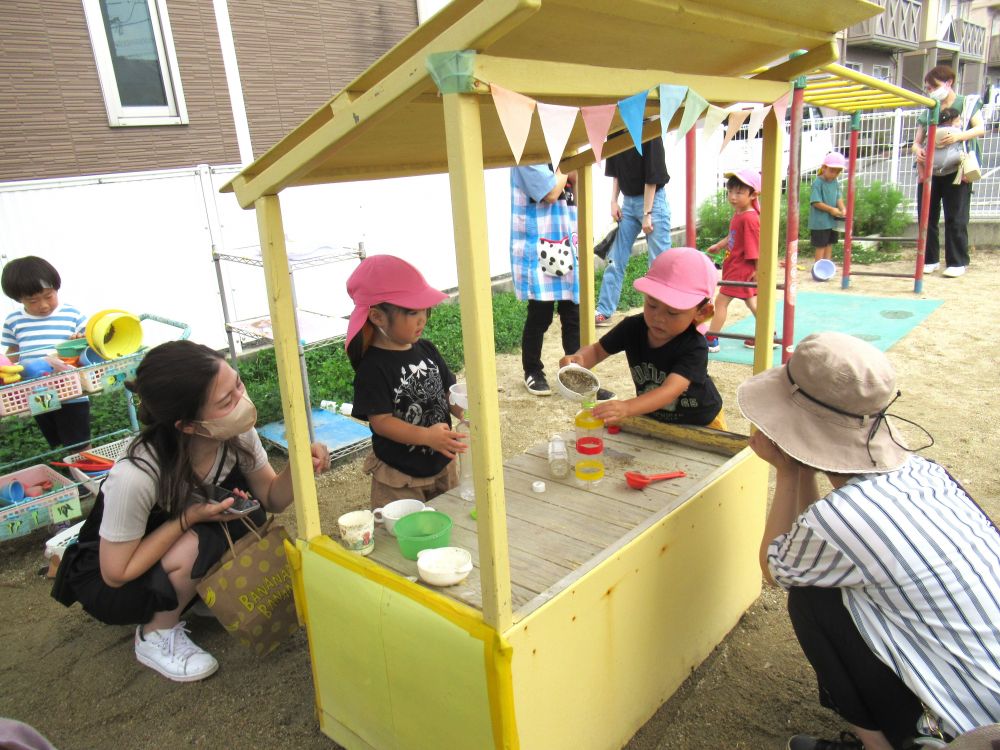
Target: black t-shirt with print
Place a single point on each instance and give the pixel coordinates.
(411, 385)
(686, 354)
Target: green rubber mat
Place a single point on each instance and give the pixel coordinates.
(881, 321)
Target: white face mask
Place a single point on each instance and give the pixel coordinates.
(940, 93)
(239, 420)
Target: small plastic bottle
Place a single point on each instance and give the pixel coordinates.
(466, 485)
(589, 466)
(558, 457)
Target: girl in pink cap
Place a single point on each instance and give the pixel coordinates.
(401, 382)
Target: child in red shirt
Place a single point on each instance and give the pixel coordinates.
(742, 250)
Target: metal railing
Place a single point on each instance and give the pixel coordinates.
(897, 26)
(973, 39)
(884, 155)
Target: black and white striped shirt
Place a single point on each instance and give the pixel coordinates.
(919, 566)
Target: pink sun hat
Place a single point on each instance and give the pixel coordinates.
(681, 277)
(750, 178)
(835, 160)
(386, 278)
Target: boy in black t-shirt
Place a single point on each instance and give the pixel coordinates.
(667, 356)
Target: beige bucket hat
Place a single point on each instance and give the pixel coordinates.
(984, 738)
(826, 406)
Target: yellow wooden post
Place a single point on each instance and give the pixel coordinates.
(468, 206)
(585, 261)
(768, 261)
(286, 350)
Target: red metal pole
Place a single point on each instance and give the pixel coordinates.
(925, 203)
(852, 163)
(792, 226)
(690, 228)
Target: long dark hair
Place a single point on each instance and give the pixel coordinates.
(172, 384)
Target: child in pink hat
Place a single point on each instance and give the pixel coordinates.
(826, 206)
(401, 382)
(742, 250)
(667, 355)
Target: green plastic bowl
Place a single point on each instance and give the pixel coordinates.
(71, 347)
(427, 530)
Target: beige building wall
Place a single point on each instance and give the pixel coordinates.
(53, 122)
(295, 55)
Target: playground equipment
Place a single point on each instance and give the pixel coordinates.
(584, 658)
(836, 87)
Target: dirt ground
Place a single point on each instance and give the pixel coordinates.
(78, 682)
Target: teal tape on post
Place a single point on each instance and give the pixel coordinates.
(452, 71)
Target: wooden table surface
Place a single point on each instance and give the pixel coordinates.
(553, 534)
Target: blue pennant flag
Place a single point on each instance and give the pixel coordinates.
(632, 111)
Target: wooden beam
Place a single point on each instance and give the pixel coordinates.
(463, 130)
(797, 66)
(716, 441)
(281, 305)
(548, 80)
(767, 263)
(613, 146)
(585, 252)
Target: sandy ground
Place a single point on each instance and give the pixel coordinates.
(78, 682)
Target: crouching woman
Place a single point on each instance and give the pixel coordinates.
(153, 534)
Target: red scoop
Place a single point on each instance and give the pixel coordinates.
(637, 481)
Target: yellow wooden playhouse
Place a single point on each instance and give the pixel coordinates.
(583, 657)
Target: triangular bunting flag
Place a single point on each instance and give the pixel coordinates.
(670, 99)
(597, 120)
(633, 110)
(756, 120)
(734, 123)
(557, 122)
(694, 105)
(514, 111)
(779, 108)
(713, 118)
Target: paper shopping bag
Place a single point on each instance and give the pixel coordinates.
(250, 589)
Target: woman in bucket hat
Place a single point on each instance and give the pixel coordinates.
(893, 577)
(401, 382)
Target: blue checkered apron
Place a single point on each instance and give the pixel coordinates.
(530, 221)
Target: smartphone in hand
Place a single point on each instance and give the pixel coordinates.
(241, 505)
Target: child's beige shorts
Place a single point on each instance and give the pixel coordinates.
(390, 484)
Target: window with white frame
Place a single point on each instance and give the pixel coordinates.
(882, 72)
(136, 62)
(853, 66)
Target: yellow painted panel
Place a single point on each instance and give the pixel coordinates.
(593, 664)
(392, 673)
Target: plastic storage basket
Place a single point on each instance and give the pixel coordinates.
(15, 398)
(112, 451)
(98, 377)
(61, 503)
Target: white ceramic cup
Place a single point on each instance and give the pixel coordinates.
(395, 510)
(357, 531)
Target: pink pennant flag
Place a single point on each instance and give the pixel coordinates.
(779, 108)
(557, 123)
(597, 120)
(514, 111)
(713, 118)
(756, 120)
(734, 123)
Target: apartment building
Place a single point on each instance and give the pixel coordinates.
(912, 36)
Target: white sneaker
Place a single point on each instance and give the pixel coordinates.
(931, 267)
(171, 653)
(952, 271)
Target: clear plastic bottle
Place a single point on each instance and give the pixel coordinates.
(558, 457)
(589, 466)
(466, 485)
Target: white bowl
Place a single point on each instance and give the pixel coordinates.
(395, 510)
(571, 394)
(444, 566)
(458, 394)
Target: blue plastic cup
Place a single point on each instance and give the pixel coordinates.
(12, 492)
